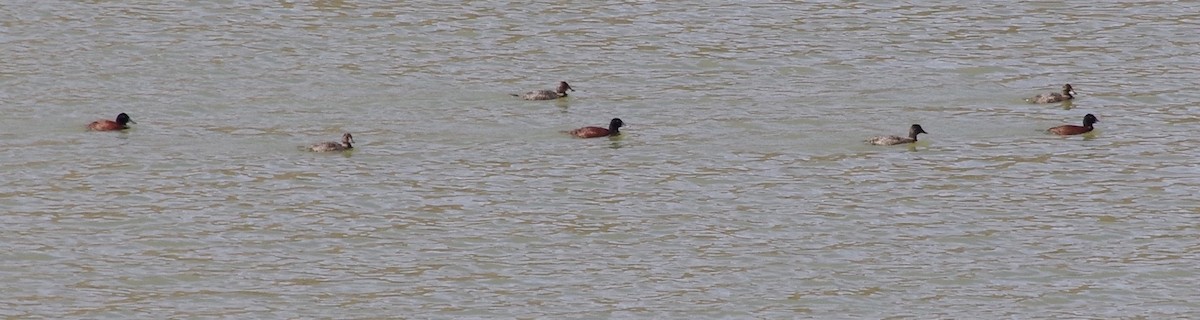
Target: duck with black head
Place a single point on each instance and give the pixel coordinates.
(1070, 130)
(913, 131)
(596, 132)
(1068, 93)
(334, 146)
(560, 92)
(108, 125)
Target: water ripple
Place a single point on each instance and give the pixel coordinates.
(740, 189)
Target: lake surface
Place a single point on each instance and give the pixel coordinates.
(740, 188)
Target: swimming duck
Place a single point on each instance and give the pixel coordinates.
(596, 132)
(559, 92)
(334, 146)
(893, 140)
(1067, 94)
(1067, 130)
(109, 125)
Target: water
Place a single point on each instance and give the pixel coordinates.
(740, 188)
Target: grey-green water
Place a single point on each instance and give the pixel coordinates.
(740, 188)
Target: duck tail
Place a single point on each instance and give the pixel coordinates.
(514, 94)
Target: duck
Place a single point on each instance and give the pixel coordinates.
(334, 146)
(596, 132)
(108, 125)
(1067, 94)
(1069, 130)
(559, 92)
(894, 140)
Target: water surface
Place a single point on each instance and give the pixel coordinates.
(740, 188)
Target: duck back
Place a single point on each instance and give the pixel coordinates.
(590, 132)
(540, 95)
(889, 140)
(106, 125)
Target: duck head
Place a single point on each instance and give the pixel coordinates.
(915, 130)
(1068, 90)
(615, 123)
(123, 118)
(563, 87)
